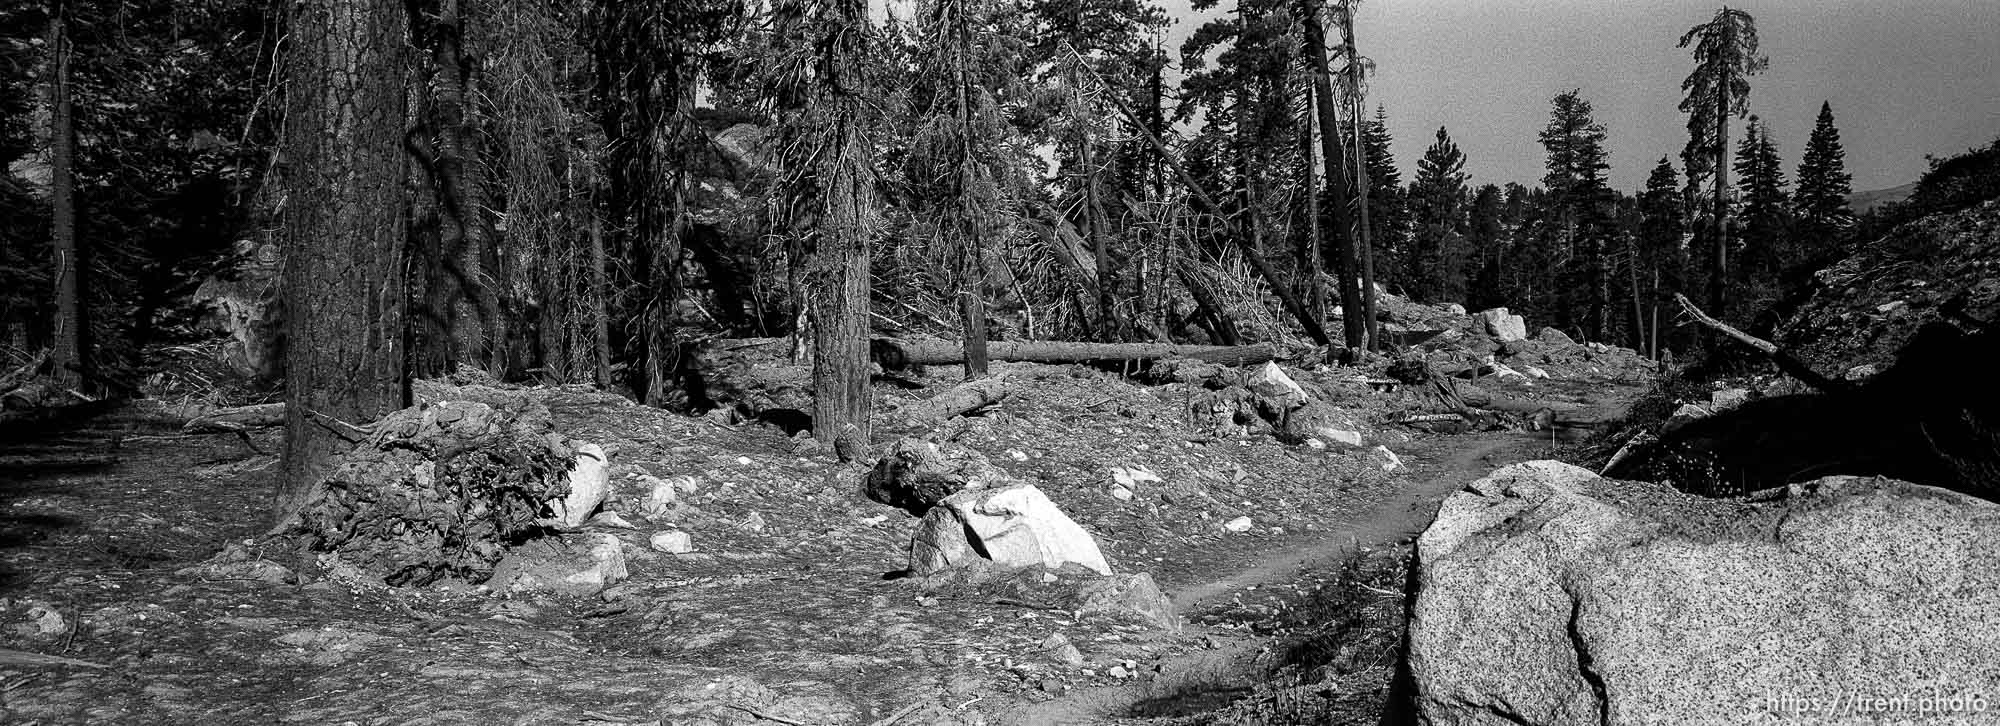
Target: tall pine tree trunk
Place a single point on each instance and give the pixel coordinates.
(1718, 282)
(69, 335)
(1347, 258)
(1365, 242)
(467, 250)
(343, 281)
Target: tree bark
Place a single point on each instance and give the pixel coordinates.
(1353, 314)
(944, 352)
(1364, 231)
(69, 334)
(343, 277)
(1718, 283)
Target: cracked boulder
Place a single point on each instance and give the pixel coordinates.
(1547, 595)
(1011, 527)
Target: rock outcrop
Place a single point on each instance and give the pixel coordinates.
(1549, 596)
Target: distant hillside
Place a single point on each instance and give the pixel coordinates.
(1865, 202)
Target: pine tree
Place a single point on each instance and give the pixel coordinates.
(1433, 264)
(1580, 213)
(1486, 236)
(1824, 184)
(1766, 210)
(1662, 252)
(1725, 54)
(1388, 206)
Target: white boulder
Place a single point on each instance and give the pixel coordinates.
(1014, 526)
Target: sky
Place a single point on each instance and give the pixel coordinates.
(1905, 77)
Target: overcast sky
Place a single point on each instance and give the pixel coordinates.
(1906, 77)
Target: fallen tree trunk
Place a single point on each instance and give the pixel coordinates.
(241, 418)
(946, 352)
(1785, 362)
(13, 379)
(959, 399)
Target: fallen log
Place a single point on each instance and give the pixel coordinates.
(960, 399)
(1785, 362)
(896, 353)
(234, 420)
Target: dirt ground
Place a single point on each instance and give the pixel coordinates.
(781, 615)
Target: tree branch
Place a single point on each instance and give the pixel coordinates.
(1790, 365)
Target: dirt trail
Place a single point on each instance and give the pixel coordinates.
(1438, 469)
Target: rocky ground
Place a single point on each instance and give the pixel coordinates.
(760, 588)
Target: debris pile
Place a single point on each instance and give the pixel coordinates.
(443, 489)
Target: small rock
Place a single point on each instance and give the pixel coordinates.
(1054, 686)
(1054, 641)
(1726, 399)
(572, 564)
(1121, 493)
(43, 622)
(1068, 653)
(1315, 444)
(686, 484)
(1502, 325)
(1389, 460)
(1013, 526)
(1271, 384)
(1340, 436)
(1889, 307)
(875, 521)
(589, 483)
(1534, 372)
(1017, 455)
(1118, 671)
(611, 519)
(754, 522)
(660, 496)
(1131, 477)
(1239, 524)
(1454, 308)
(743, 461)
(672, 541)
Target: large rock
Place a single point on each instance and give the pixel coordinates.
(1550, 596)
(1014, 526)
(1502, 325)
(589, 483)
(581, 565)
(917, 474)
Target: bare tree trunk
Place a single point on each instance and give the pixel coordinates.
(1100, 243)
(343, 277)
(1316, 256)
(69, 334)
(1718, 283)
(1365, 231)
(1353, 314)
(467, 248)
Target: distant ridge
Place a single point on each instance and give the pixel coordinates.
(1869, 201)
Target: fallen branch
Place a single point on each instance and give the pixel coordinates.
(9, 656)
(765, 716)
(15, 377)
(237, 420)
(898, 715)
(1790, 365)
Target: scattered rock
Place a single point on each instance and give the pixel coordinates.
(754, 522)
(611, 519)
(1387, 459)
(1726, 399)
(589, 482)
(1015, 526)
(1535, 373)
(1131, 477)
(42, 621)
(1686, 414)
(238, 561)
(1552, 336)
(1275, 388)
(672, 541)
(917, 474)
(578, 564)
(1239, 524)
(1135, 596)
(1629, 601)
(660, 496)
(329, 645)
(1502, 325)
